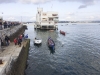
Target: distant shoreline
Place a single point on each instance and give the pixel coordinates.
(79, 22)
(70, 22)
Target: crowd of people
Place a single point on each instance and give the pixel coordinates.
(17, 41)
(5, 41)
(8, 24)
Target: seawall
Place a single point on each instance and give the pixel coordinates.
(12, 32)
(19, 62)
(14, 57)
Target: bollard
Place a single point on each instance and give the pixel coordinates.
(1, 61)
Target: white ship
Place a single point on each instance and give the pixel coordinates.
(46, 20)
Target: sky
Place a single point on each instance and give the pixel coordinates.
(68, 10)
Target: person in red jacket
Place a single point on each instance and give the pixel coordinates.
(15, 41)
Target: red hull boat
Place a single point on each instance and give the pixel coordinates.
(62, 32)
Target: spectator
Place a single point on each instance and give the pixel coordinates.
(19, 42)
(5, 24)
(0, 25)
(26, 36)
(0, 43)
(23, 36)
(15, 41)
(7, 39)
(20, 37)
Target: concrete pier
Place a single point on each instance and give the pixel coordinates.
(9, 54)
(13, 58)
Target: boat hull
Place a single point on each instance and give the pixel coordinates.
(37, 41)
(62, 32)
(51, 44)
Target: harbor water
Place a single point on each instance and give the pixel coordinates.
(76, 53)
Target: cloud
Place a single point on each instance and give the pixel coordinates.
(35, 1)
(82, 6)
(19, 18)
(32, 18)
(10, 19)
(91, 17)
(68, 17)
(70, 13)
(25, 1)
(8, 1)
(86, 2)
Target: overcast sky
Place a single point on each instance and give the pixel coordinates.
(69, 10)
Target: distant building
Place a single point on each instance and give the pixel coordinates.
(46, 20)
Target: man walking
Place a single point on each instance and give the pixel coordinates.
(7, 39)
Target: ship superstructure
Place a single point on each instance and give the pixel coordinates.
(46, 20)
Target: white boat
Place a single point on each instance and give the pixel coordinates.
(37, 41)
(46, 20)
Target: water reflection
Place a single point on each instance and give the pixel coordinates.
(38, 45)
(45, 34)
(52, 51)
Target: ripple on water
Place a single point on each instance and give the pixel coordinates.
(77, 53)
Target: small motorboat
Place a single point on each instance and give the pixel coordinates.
(51, 44)
(62, 32)
(37, 41)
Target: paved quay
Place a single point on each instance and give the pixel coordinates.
(9, 50)
(8, 54)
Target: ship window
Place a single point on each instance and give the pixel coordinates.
(50, 27)
(54, 14)
(50, 19)
(56, 17)
(44, 14)
(44, 27)
(44, 18)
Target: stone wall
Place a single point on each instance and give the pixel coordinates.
(9, 31)
(15, 63)
(12, 32)
(21, 30)
(18, 65)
